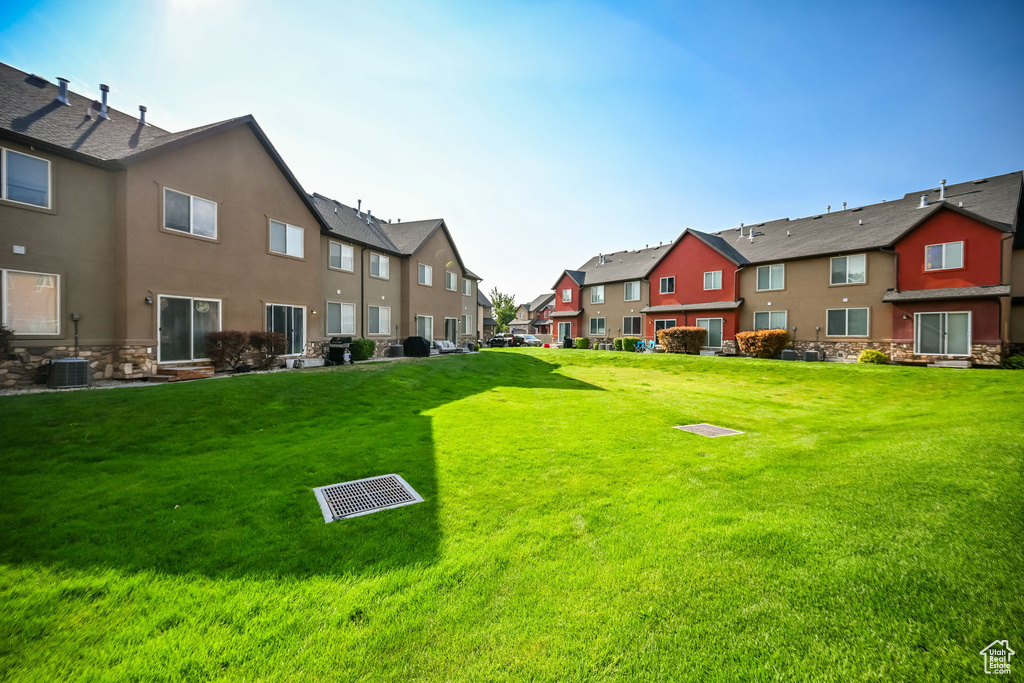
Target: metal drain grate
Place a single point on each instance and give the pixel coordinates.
(364, 496)
(704, 429)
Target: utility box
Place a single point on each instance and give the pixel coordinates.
(811, 356)
(788, 354)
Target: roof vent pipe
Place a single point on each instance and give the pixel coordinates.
(62, 94)
(860, 221)
(942, 190)
(828, 209)
(924, 201)
(844, 206)
(359, 207)
(369, 216)
(103, 105)
(142, 114)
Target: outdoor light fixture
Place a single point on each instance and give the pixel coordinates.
(149, 300)
(312, 311)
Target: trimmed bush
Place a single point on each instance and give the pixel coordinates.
(762, 343)
(362, 349)
(629, 343)
(683, 339)
(618, 343)
(227, 347)
(267, 347)
(6, 335)
(582, 342)
(1014, 363)
(873, 356)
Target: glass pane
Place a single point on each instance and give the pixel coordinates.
(777, 319)
(714, 328)
(28, 179)
(954, 255)
(333, 318)
(761, 319)
(31, 303)
(929, 333)
(385, 265)
(204, 217)
(835, 323)
(205, 318)
(297, 331)
(176, 211)
(375, 320)
(839, 271)
(857, 322)
(958, 334)
(175, 329)
(778, 276)
(385, 320)
(334, 260)
(347, 257)
(294, 241)
(856, 268)
(933, 257)
(278, 238)
(348, 319)
(764, 278)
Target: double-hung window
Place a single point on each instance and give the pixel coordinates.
(24, 178)
(342, 257)
(846, 322)
(191, 214)
(467, 287)
(631, 291)
(597, 326)
(425, 327)
(944, 256)
(426, 276)
(341, 318)
(668, 285)
(467, 324)
(849, 270)
(31, 302)
(379, 320)
(770, 320)
(597, 294)
(451, 281)
(771, 277)
(713, 279)
(631, 325)
(286, 239)
(379, 266)
(566, 296)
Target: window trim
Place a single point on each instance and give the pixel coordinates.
(757, 278)
(844, 284)
(567, 299)
(638, 288)
(640, 325)
(721, 320)
(593, 290)
(4, 176)
(604, 324)
(331, 243)
(712, 273)
(191, 339)
(191, 215)
(3, 304)
(370, 333)
(784, 327)
(429, 270)
(848, 335)
(327, 318)
(386, 261)
(467, 283)
(970, 334)
(466, 322)
(963, 256)
(664, 281)
(270, 249)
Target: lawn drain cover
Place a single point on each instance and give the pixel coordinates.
(705, 429)
(364, 496)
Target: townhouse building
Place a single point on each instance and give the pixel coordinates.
(935, 275)
(534, 317)
(128, 243)
(486, 324)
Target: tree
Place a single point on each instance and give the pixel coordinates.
(504, 308)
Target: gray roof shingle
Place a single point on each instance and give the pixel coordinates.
(706, 306)
(946, 293)
(482, 300)
(539, 302)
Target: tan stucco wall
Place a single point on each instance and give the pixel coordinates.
(74, 239)
(613, 310)
(384, 293)
(1016, 323)
(435, 300)
(339, 286)
(234, 170)
(808, 294)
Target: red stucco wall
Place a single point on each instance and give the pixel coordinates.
(982, 255)
(688, 260)
(984, 319)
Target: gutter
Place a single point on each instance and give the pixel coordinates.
(362, 292)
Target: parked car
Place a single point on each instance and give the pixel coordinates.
(531, 340)
(505, 340)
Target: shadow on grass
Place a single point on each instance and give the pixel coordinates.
(214, 478)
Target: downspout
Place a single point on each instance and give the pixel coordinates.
(736, 297)
(362, 292)
(895, 288)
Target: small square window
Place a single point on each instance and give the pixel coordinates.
(713, 279)
(426, 275)
(597, 294)
(26, 179)
(379, 266)
(944, 256)
(668, 285)
(451, 281)
(342, 256)
(771, 277)
(286, 239)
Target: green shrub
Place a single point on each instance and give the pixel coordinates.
(873, 356)
(629, 343)
(267, 347)
(362, 349)
(226, 347)
(1014, 363)
(582, 343)
(682, 339)
(618, 343)
(6, 335)
(762, 343)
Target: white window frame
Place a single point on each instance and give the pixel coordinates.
(4, 175)
(625, 290)
(757, 282)
(848, 257)
(593, 294)
(963, 256)
(706, 320)
(712, 273)
(383, 266)
(602, 331)
(288, 228)
(567, 296)
(3, 303)
(192, 213)
(847, 322)
(467, 287)
(467, 324)
(640, 326)
(945, 352)
(425, 272)
(425, 317)
(667, 280)
(378, 333)
(343, 247)
(672, 323)
(191, 340)
(454, 279)
(785, 315)
(327, 324)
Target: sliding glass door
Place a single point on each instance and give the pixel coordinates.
(942, 334)
(184, 322)
(289, 321)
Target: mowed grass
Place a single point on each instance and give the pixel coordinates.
(866, 526)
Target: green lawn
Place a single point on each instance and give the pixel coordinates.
(867, 526)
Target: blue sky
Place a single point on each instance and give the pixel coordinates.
(546, 132)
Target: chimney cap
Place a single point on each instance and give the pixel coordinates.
(104, 88)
